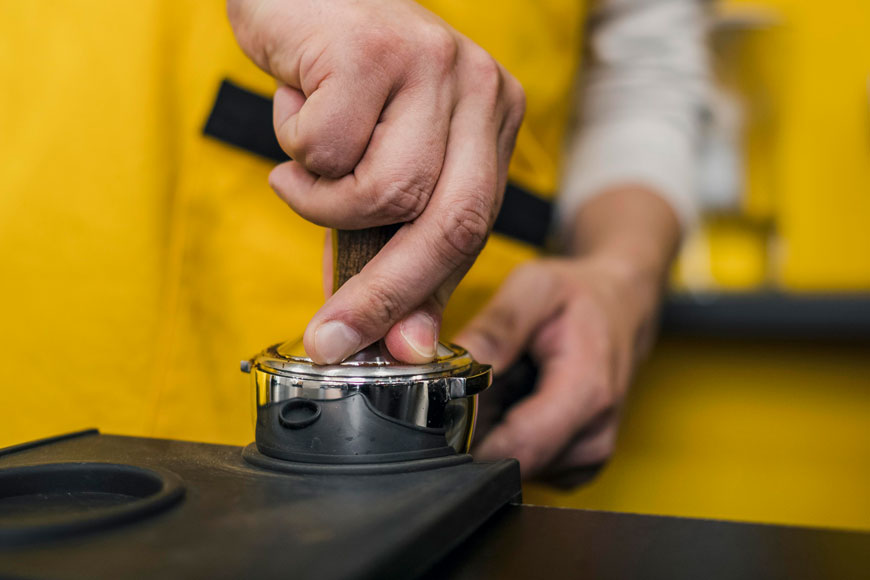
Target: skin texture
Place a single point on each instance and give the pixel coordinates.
(592, 321)
(391, 116)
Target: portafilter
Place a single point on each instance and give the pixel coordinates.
(371, 408)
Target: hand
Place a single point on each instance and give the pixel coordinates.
(585, 328)
(390, 116)
(586, 321)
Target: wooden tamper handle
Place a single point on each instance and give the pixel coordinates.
(352, 249)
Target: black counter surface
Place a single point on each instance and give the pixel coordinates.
(544, 542)
(227, 518)
(221, 517)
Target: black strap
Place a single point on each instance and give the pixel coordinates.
(524, 216)
(242, 118)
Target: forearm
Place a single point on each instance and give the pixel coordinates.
(630, 227)
(643, 96)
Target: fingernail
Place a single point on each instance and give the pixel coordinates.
(421, 334)
(334, 341)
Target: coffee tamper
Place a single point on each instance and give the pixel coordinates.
(370, 410)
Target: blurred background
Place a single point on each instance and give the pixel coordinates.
(754, 406)
(756, 403)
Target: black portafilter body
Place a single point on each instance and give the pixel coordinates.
(370, 409)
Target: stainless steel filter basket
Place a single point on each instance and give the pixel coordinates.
(370, 408)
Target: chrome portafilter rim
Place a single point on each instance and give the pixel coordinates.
(375, 392)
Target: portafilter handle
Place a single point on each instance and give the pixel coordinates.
(353, 249)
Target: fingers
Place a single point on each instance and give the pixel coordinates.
(285, 104)
(392, 182)
(592, 446)
(586, 456)
(574, 388)
(509, 387)
(427, 256)
(411, 344)
(400, 343)
(415, 338)
(328, 131)
(501, 331)
(536, 429)
(392, 119)
(515, 109)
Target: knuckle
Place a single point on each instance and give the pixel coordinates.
(516, 97)
(466, 227)
(248, 30)
(325, 160)
(516, 93)
(377, 45)
(404, 199)
(487, 75)
(381, 306)
(439, 47)
(384, 54)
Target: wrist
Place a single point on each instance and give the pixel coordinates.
(629, 230)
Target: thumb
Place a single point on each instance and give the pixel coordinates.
(501, 331)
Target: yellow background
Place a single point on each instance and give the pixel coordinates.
(804, 75)
(142, 261)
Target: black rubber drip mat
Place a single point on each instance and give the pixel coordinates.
(49, 501)
(238, 520)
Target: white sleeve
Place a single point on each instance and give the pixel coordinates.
(644, 94)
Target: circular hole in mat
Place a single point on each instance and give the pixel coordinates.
(41, 502)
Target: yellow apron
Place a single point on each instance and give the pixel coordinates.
(141, 260)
